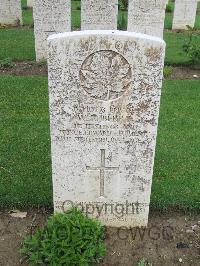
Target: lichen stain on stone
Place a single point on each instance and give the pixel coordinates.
(87, 44)
(153, 54)
(105, 44)
(143, 106)
(146, 87)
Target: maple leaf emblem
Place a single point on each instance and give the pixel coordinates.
(105, 75)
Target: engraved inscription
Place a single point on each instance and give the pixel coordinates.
(147, 16)
(99, 15)
(184, 14)
(105, 75)
(104, 105)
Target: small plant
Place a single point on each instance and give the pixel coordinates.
(122, 22)
(167, 71)
(6, 63)
(143, 262)
(191, 47)
(67, 239)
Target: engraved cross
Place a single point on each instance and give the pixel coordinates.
(102, 168)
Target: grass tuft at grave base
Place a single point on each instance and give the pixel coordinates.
(25, 162)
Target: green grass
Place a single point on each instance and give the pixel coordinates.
(76, 5)
(25, 144)
(27, 14)
(168, 21)
(76, 18)
(174, 51)
(27, 17)
(25, 164)
(176, 177)
(24, 3)
(18, 44)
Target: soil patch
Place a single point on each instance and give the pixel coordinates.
(172, 238)
(184, 73)
(25, 68)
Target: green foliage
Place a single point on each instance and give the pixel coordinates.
(6, 63)
(67, 239)
(76, 5)
(122, 22)
(167, 71)
(169, 8)
(191, 47)
(23, 2)
(123, 4)
(143, 262)
(174, 49)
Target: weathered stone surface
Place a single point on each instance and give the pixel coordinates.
(50, 17)
(184, 14)
(30, 3)
(147, 16)
(99, 15)
(10, 12)
(104, 93)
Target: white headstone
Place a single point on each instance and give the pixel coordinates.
(50, 17)
(184, 14)
(30, 3)
(104, 89)
(147, 16)
(10, 12)
(99, 15)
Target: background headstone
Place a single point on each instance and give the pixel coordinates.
(10, 12)
(99, 15)
(104, 93)
(50, 16)
(184, 14)
(147, 16)
(30, 3)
